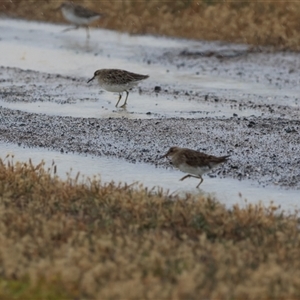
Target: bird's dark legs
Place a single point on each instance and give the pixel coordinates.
(127, 93)
(87, 32)
(188, 176)
(76, 27)
(201, 180)
(120, 96)
(71, 28)
(185, 177)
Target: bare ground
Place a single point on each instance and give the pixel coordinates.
(263, 148)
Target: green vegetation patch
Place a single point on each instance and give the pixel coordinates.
(24, 290)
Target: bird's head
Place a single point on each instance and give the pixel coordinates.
(172, 151)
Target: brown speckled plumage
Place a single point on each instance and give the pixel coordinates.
(194, 162)
(78, 15)
(79, 10)
(116, 76)
(115, 80)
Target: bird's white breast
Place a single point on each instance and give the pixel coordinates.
(193, 170)
(117, 88)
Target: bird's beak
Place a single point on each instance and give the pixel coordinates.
(91, 79)
(163, 156)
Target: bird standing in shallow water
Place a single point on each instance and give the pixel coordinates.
(78, 15)
(193, 162)
(118, 81)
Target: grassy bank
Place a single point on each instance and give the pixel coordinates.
(68, 239)
(275, 23)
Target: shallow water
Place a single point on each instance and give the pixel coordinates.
(107, 169)
(104, 107)
(43, 47)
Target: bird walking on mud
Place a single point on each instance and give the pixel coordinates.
(118, 81)
(193, 162)
(78, 15)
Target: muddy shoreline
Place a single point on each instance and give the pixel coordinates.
(264, 149)
(210, 96)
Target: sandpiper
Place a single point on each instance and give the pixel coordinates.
(118, 81)
(193, 162)
(78, 15)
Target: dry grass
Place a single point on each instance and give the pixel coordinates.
(68, 239)
(275, 23)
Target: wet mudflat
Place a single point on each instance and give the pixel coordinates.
(213, 97)
(119, 171)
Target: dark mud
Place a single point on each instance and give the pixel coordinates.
(263, 149)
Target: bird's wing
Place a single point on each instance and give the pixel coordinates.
(195, 158)
(124, 77)
(84, 12)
